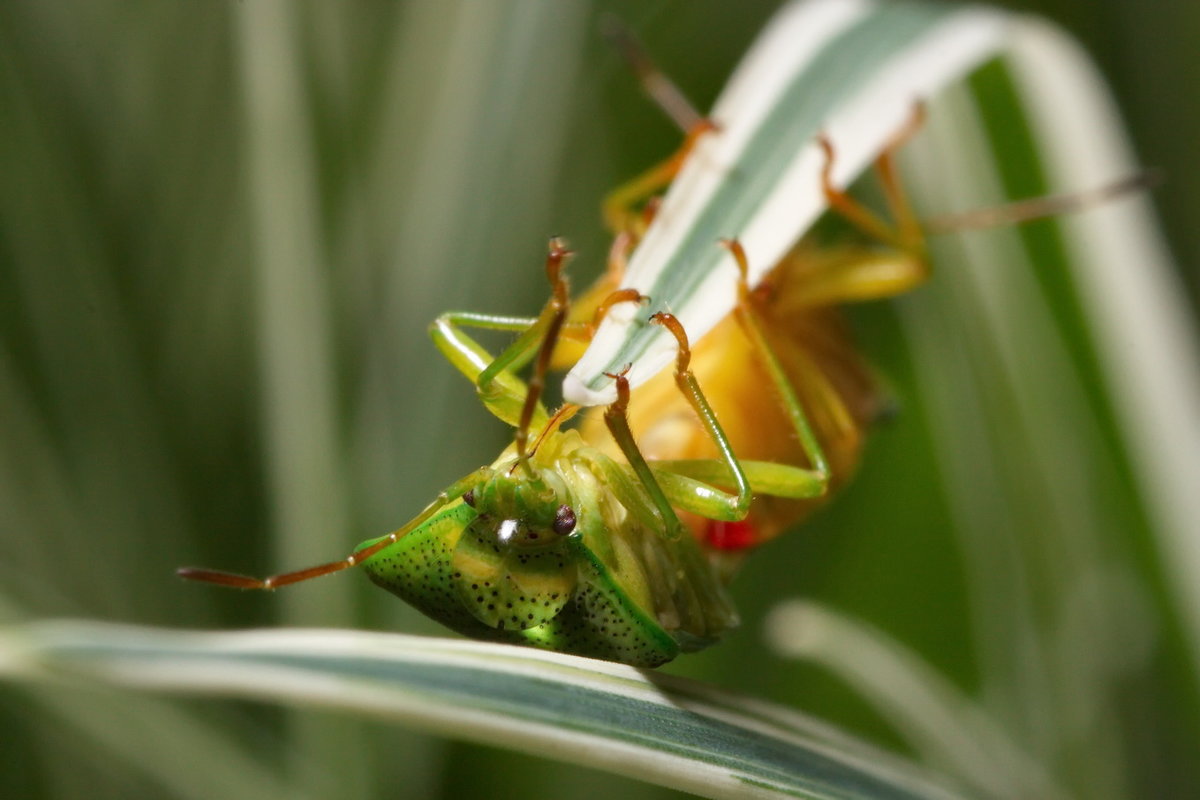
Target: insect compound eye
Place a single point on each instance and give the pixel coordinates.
(469, 498)
(564, 520)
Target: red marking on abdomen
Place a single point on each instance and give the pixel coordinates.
(721, 535)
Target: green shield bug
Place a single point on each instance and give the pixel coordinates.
(572, 539)
(555, 544)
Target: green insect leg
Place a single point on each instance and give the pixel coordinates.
(902, 231)
(501, 391)
(620, 206)
(685, 583)
(702, 498)
(691, 485)
(687, 595)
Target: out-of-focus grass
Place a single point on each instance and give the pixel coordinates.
(188, 189)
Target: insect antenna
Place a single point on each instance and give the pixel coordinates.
(1040, 207)
(661, 89)
(560, 417)
(237, 581)
(555, 314)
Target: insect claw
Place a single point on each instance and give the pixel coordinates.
(617, 376)
(618, 296)
(619, 405)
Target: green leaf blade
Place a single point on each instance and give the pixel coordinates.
(640, 724)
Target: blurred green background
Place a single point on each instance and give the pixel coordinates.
(223, 230)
